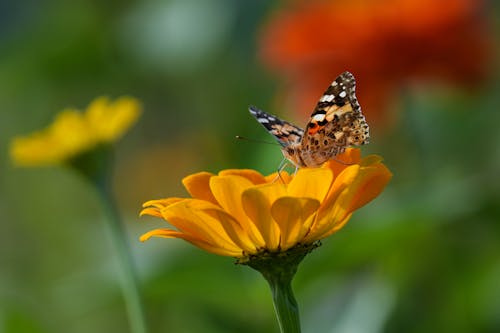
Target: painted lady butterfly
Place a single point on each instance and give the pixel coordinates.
(336, 123)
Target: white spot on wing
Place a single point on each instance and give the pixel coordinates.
(327, 98)
(342, 94)
(318, 117)
(263, 120)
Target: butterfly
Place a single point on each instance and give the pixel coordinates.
(336, 123)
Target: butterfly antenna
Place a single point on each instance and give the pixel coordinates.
(239, 137)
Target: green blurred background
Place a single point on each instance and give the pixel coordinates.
(423, 257)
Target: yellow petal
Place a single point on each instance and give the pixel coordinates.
(188, 217)
(208, 222)
(311, 183)
(154, 207)
(333, 229)
(153, 211)
(71, 128)
(329, 210)
(169, 233)
(341, 182)
(110, 120)
(368, 185)
(235, 232)
(227, 190)
(67, 136)
(371, 160)
(281, 177)
(252, 175)
(355, 187)
(161, 203)
(71, 134)
(294, 216)
(350, 157)
(35, 150)
(198, 186)
(257, 203)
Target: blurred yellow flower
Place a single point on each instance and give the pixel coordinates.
(73, 133)
(240, 213)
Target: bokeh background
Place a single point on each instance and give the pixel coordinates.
(423, 257)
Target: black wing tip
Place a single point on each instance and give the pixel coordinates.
(254, 111)
(347, 76)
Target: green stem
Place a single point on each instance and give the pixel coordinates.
(279, 268)
(130, 286)
(96, 166)
(285, 305)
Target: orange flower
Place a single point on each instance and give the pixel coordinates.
(240, 213)
(384, 44)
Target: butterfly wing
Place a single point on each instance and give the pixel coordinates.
(283, 131)
(336, 122)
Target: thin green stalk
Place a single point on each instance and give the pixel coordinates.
(96, 167)
(130, 286)
(279, 268)
(285, 305)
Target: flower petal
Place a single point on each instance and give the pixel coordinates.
(254, 176)
(335, 227)
(71, 133)
(329, 210)
(341, 182)
(161, 203)
(35, 150)
(153, 211)
(294, 217)
(282, 177)
(351, 156)
(227, 190)
(169, 233)
(371, 160)
(198, 186)
(189, 218)
(257, 203)
(154, 207)
(355, 187)
(311, 183)
(110, 120)
(235, 232)
(210, 220)
(370, 183)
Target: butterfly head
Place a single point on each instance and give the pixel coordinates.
(292, 153)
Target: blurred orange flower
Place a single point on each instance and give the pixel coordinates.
(240, 213)
(384, 44)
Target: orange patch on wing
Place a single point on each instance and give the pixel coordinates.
(314, 129)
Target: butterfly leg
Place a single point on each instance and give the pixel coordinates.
(339, 161)
(281, 167)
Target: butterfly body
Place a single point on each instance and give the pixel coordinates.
(336, 123)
